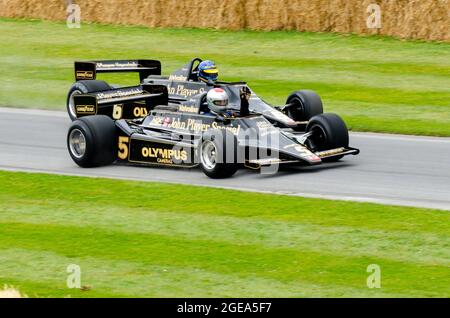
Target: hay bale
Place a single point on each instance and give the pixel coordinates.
(414, 19)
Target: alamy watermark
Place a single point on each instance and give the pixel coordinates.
(74, 277)
(73, 15)
(373, 21)
(374, 279)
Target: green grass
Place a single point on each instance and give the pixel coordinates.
(161, 240)
(376, 83)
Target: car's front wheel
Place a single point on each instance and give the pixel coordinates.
(303, 105)
(217, 154)
(91, 141)
(328, 132)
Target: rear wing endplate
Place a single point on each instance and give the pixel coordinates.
(88, 70)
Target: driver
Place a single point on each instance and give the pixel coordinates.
(208, 72)
(217, 100)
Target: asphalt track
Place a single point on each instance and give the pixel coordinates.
(391, 169)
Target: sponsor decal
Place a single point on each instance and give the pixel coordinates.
(120, 93)
(181, 90)
(156, 121)
(117, 64)
(140, 112)
(87, 75)
(188, 109)
(190, 124)
(150, 152)
(85, 109)
(164, 155)
(265, 161)
(177, 78)
(176, 123)
(196, 125)
(166, 122)
(330, 152)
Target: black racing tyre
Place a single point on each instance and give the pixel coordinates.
(217, 153)
(307, 104)
(91, 141)
(83, 87)
(329, 132)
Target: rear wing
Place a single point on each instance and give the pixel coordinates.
(123, 103)
(88, 70)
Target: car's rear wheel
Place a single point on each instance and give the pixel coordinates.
(83, 87)
(328, 132)
(305, 104)
(91, 141)
(217, 154)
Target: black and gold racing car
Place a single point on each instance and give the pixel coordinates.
(182, 86)
(148, 125)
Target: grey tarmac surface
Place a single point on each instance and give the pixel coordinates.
(391, 169)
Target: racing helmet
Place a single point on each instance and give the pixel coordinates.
(207, 71)
(217, 100)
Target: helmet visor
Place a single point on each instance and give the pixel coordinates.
(209, 74)
(211, 71)
(223, 102)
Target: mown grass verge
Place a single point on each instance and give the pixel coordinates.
(136, 239)
(376, 83)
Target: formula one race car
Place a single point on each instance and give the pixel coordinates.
(175, 131)
(182, 86)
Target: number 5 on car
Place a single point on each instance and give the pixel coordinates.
(123, 147)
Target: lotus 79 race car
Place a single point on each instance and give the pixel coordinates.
(179, 131)
(184, 90)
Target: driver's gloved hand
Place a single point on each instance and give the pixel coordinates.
(245, 93)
